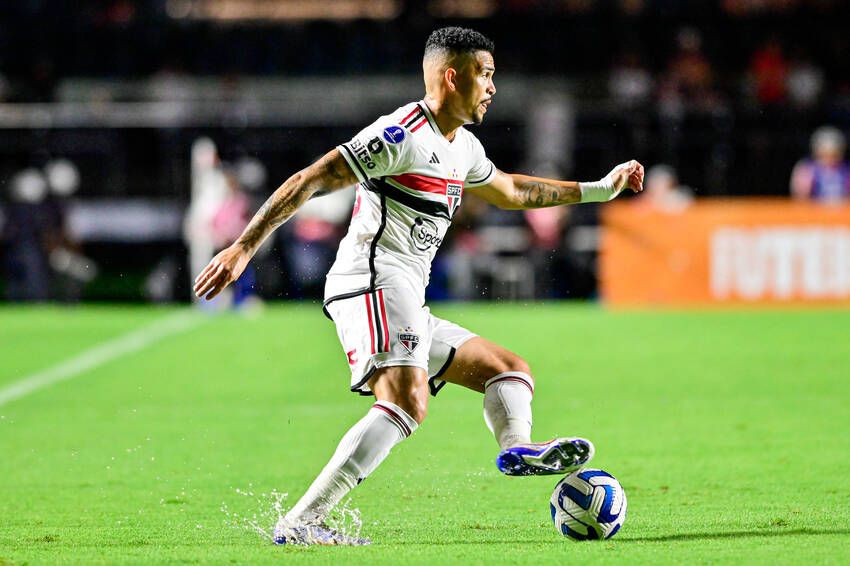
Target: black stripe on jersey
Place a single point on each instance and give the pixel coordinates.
(490, 172)
(427, 116)
(420, 205)
(355, 161)
(377, 237)
(379, 326)
(414, 118)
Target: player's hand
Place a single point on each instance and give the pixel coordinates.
(222, 270)
(627, 175)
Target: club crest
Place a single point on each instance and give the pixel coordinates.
(408, 339)
(454, 191)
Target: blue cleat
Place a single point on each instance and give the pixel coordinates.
(558, 456)
(308, 535)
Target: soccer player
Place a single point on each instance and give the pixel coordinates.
(413, 166)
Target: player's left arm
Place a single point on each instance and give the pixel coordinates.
(515, 191)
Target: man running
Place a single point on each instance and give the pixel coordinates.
(412, 167)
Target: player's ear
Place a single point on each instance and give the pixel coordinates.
(450, 77)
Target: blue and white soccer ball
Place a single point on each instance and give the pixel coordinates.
(588, 504)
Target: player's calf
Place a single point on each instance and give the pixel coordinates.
(359, 452)
(507, 407)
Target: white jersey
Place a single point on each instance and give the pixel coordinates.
(411, 183)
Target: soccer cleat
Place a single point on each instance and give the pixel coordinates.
(558, 456)
(308, 535)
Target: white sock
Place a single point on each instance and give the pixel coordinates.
(363, 447)
(507, 407)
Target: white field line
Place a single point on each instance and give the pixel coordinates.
(101, 354)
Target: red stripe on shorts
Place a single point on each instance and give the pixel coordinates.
(384, 320)
(371, 325)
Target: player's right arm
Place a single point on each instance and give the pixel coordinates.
(329, 173)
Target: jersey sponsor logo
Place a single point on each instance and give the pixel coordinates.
(408, 339)
(393, 134)
(434, 158)
(453, 194)
(425, 234)
(352, 356)
(362, 152)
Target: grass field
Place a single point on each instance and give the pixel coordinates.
(729, 431)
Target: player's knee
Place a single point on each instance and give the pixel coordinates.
(520, 365)
(507, 361)
(419, 410)
(405, 387)
(415, 403)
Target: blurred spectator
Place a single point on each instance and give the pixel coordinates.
(687, 87)
(630, 87)
(71, 269)
(27, 221)
(208, 191)
(229, 220)
(825, 176)
(805, 82)
(630, 83)
(662, 191)
(689, 80)
(219, 211)
(768, 72)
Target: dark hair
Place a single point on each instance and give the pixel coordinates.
(457, 40)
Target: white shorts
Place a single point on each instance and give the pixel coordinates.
(387, 328)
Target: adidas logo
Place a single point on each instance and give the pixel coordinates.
(434, 158)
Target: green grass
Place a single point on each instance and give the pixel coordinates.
(730, 432)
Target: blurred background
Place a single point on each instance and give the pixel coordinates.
(137, 137)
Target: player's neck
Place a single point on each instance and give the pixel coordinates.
(446, 120)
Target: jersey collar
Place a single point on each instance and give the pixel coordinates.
(431, 121)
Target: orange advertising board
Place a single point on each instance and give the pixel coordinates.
(726, 251)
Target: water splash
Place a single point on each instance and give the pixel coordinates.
(346, 520)
(270, 508)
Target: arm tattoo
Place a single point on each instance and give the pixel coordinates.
(274, 212)
(330, 172)
(538, 194)
(336, 171)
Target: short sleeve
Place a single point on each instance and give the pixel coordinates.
(482, 170)
(381, 149)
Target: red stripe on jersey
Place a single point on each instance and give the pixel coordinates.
(412, 112)
(371, 326)
(384, 319)
(422, 183)
(419, 125)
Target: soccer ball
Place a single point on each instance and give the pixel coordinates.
(588, 504)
